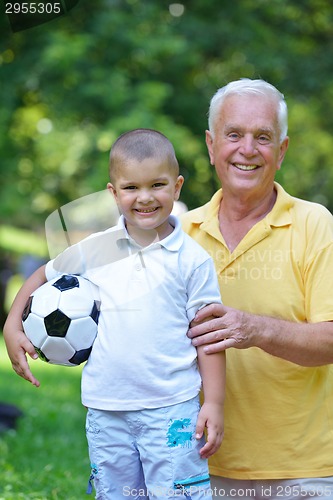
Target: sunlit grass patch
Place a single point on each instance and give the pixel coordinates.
(46, 457)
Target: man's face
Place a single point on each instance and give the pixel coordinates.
(246, 149)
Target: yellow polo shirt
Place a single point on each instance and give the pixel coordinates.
(278, 415)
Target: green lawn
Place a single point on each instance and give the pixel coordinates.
(46, 458)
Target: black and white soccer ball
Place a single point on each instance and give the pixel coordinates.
(60, 319)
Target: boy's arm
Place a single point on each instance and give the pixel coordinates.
(16, 341)
(211, 415)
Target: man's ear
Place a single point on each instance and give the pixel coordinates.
(283, 149)
(209, 143)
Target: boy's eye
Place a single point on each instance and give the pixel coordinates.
(130, 187)
(158, 184)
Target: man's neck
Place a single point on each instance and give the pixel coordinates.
(237, 216)
(238, 208)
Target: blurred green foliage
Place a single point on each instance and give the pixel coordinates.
(71, 86)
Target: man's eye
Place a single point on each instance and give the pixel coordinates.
(233, 136)
(263, 139)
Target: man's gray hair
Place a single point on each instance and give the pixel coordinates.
(246, 86)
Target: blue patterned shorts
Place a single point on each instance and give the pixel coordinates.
(147, 454)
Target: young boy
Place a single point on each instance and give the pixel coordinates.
(141, 384)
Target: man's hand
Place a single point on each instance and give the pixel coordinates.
(221, 327)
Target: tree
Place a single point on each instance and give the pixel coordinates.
(73, 85)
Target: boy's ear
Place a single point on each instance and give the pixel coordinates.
(178, 186)
(112, 190)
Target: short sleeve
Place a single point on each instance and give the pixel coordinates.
(203, 288)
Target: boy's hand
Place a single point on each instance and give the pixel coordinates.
(18, 345)
(211, 418)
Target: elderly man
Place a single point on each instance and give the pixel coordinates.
(274, 259)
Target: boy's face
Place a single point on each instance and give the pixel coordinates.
(145, 192)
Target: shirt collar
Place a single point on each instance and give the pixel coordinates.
(279, 215)
(172, 242)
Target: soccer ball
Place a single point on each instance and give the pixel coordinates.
(60, 319)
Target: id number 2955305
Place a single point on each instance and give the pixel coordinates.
(33, 8)
(298, 491)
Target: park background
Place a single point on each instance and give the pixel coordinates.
(68, 89)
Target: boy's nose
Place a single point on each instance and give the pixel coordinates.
(145, 196)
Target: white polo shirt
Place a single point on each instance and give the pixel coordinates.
(142, 357)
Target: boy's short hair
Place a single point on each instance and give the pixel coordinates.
(139, 144)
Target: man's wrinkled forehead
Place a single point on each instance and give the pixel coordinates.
(238, 111)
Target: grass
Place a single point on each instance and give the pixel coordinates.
(46, 457)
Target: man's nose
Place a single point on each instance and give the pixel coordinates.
(248, 145)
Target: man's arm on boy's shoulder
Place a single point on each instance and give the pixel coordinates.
(211, 415)
(17, 343)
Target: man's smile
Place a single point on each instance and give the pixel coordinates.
(245, 167)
